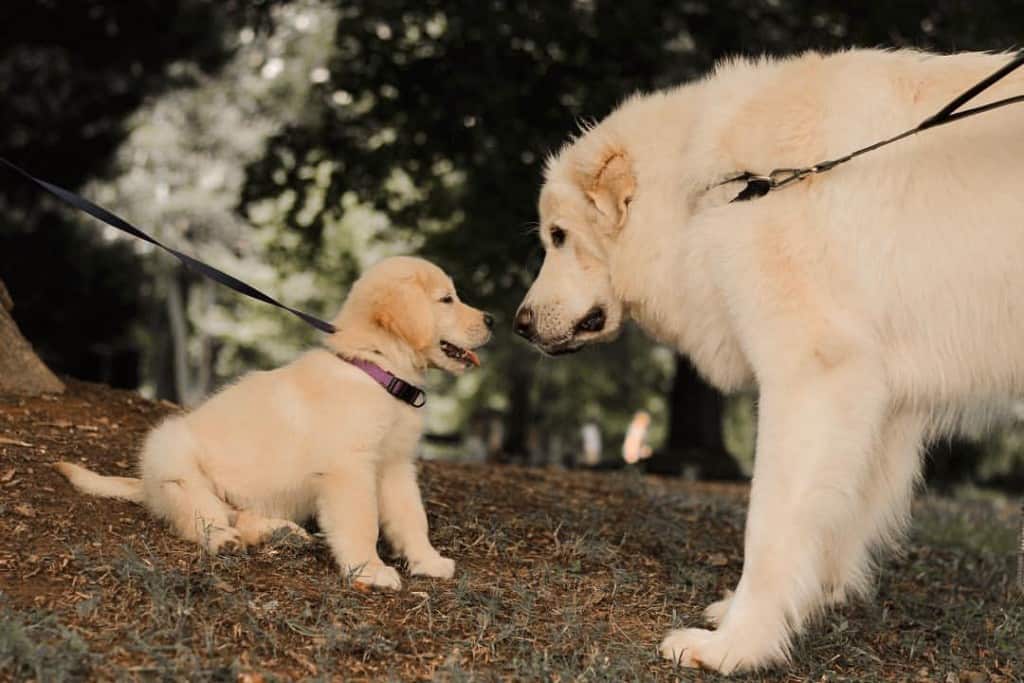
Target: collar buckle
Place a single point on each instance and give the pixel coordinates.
(407, 393)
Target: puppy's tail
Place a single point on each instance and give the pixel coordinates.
(87, 481)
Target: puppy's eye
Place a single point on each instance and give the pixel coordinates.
(446, 299)
(557, 236)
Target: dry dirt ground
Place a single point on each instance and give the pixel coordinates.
(561, 576)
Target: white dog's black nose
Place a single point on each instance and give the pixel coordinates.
(489, 321)
(524, 323)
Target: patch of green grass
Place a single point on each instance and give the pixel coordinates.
(35, 644)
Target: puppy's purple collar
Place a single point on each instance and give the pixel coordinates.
(399, 388)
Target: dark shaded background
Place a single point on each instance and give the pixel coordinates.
(488, 96)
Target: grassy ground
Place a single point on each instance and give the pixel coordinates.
(561, 577)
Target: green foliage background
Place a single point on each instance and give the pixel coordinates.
(293, 143)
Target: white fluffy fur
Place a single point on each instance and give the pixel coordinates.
(317, 437)
(873, 307)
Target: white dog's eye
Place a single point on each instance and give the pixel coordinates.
(446, 299)
(557, 236)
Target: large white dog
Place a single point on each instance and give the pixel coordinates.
(873, 307)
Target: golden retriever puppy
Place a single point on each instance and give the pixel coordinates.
(873, 307)
(332, 434)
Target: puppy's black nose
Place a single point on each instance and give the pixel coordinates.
(489, 321)
(524, 323)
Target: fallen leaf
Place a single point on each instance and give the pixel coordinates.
(718, 560)
(8, 475)
(972, 677)
(25, 510)
(14, 442)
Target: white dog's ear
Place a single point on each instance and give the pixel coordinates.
(611, 187)
(404, 310)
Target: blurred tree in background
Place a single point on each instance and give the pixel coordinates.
(365, 128)
(180, 172)
(71, 74)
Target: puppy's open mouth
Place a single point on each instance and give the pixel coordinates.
(459, 354)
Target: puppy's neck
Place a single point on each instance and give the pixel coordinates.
(379, 348)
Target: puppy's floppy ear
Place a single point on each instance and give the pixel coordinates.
(611, 187)
(404, 310)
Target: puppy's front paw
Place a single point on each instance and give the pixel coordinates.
(437, 567)
(378, 576)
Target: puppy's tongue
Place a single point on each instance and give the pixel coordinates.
(473, 358)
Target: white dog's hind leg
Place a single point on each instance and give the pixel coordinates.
(179, 491)
(814, 439)
(347, 513)
(405, 521)
(895, 467)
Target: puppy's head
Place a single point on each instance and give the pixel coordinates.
(584, 205)
(413, 304)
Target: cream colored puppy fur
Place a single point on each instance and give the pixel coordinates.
(317, 437)
(873, 307)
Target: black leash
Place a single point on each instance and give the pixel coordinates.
(194, 264)
(759, 185)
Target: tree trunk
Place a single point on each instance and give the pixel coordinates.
(178, 317)
(694, 446)
(516, 445)
(21, 371)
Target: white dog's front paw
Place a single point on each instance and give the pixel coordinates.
(437, 567)
(725, 650)
(378, 576)
(689, 647)
(715, 612)
(696, 647)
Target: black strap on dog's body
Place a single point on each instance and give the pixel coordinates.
(758, 185)
(194, 264)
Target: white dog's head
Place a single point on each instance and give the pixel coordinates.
(410, 305)
(584, 205)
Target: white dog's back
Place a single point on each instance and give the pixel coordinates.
(938, 217)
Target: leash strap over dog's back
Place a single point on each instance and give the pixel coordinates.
(194, 264)
(759, 185)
